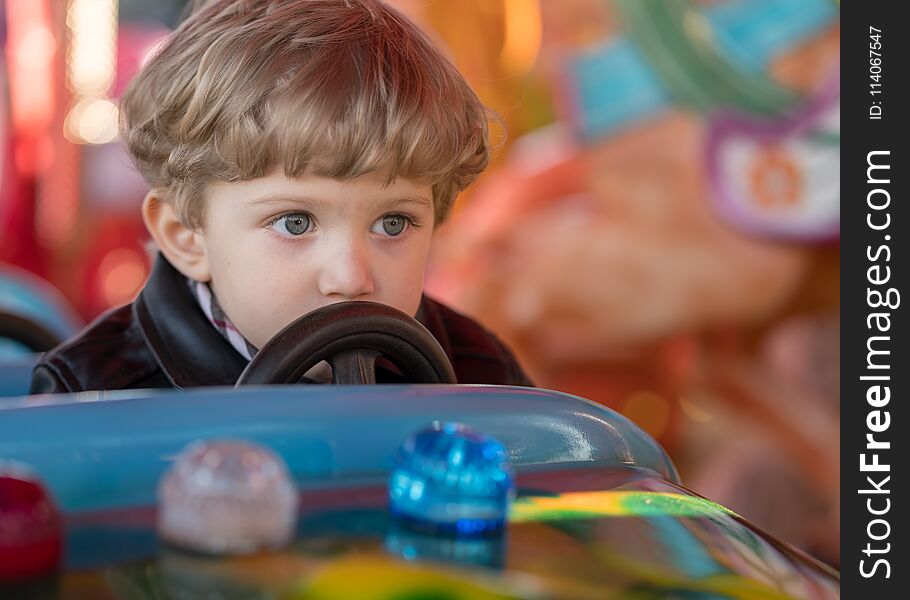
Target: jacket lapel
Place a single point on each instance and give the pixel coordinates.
(189, 350)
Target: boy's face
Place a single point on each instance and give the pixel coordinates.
(279, 248)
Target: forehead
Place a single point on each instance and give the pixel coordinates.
(364, 190)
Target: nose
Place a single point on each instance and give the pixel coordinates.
(346, 273)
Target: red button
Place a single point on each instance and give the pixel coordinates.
(31, 530)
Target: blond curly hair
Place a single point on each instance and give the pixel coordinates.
(336, 88)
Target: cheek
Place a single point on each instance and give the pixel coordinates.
(261, 281)
(270, 276)
(233, 266)
(402, 277)
(264, 297)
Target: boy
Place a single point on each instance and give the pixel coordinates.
(299, 153)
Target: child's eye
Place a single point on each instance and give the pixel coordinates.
(391, 225)
(293, 224)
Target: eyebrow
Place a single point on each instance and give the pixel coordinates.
(310, 201)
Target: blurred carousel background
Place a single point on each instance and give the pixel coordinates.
(658, 231)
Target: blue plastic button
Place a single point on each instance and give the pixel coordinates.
(452, 479)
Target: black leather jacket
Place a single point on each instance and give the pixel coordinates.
(163, 340)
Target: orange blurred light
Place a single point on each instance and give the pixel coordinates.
(523, 35)
(120, 276)
(649, 411)
(695, 412)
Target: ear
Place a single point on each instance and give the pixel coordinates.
(182, 246)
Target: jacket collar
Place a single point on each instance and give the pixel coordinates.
(190, 351)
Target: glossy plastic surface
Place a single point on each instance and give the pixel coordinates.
(16, 373)
(584, 534)
(101, 450)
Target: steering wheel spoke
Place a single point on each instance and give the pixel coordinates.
(354, 367)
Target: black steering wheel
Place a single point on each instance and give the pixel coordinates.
(350, 336)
